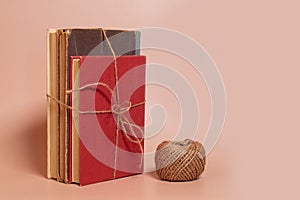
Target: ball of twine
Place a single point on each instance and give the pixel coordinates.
(180, 160)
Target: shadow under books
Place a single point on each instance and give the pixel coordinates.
(37, 145)
(27, 145)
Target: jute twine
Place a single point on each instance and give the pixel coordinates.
(118, 109)
(180, 160)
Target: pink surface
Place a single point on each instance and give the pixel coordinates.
(256, 47)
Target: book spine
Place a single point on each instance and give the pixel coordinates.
(66, 111)
(62, 109)
(52, 107)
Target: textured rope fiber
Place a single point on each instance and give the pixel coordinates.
(118, 109)
(180, 160)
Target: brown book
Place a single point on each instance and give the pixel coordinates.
(74, 42)
(52, 106)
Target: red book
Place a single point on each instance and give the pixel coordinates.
(110, 143)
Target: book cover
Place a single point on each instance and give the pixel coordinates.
(52, 106)
(102, 155)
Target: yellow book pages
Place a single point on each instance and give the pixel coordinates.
(75, 121)
(52, 106)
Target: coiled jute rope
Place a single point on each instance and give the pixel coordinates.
(180, 160)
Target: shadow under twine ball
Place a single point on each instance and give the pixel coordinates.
(180, 160)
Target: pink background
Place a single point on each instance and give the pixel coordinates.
(254, 43)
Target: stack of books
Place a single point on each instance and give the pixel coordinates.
(95, 104)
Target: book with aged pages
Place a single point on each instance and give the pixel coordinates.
(101, 149)
(64, 162)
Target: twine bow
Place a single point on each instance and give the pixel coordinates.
(117, 109)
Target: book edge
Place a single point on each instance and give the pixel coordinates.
(52, 107)
(75, 129)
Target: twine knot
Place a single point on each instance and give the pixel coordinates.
(119, 109)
